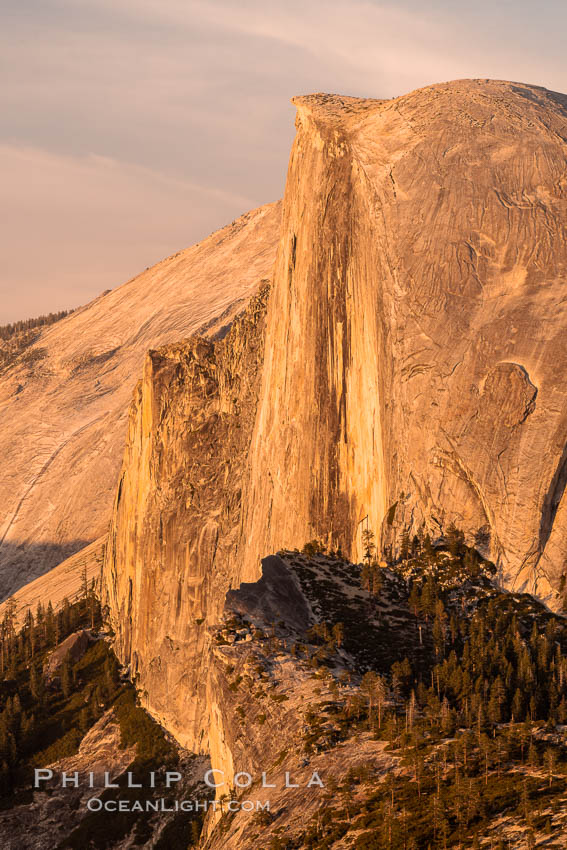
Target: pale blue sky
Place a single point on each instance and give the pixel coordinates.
(132, 128)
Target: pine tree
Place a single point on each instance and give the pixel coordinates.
(428, 597)
(455, 540)
(428, 549)
(405, 546)
(376, 580)
(550, 760)
(415, 545)
(36, 684)
(411, 712)
(65, 678)
(66, 617)
(375, 688)
(368, 544)
(439, 628)
(10, 613)
(28, 729)
(518, 706)
(50, 625)
(496, 700)
(533, 755)
(339, 634)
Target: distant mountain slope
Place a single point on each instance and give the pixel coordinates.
(64, 402)
(17, 336)
(62, 582)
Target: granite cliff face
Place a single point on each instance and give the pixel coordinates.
(419, 372)
(64, 402)
(173, 543)
(410, 368)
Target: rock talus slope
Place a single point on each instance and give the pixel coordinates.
(414, 371)
(64, 403)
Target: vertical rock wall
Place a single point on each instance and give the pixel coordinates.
(414, 372)
(316, 461)
(417, 333)
(174, 534)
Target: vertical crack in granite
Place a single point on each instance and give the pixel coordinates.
(553, 499)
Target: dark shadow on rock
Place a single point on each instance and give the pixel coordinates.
(274, 597)
(21, 563)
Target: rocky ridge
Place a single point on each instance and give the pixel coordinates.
(65, 581)
(281, 689)
(64, 401)
(54, 811)
(175, 531)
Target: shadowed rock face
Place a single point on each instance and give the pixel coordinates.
(274, 597)
(64, 403)
(65, 581)
(412, 369)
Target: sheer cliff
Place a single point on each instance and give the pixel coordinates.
(410, 368)
(418, 327)
(173, 543)
(64, 401)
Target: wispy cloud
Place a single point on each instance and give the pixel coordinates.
(89, 223)
(193, 95)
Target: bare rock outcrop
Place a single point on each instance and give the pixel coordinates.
(174, 538)
(70, 650)
(274, 597)
(410, 369)
(421, 363)
(64, 402)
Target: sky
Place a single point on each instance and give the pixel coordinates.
(130, 129)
